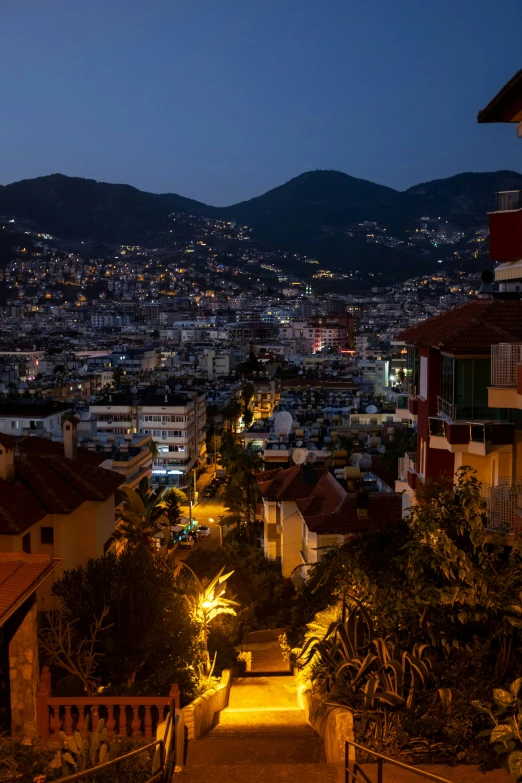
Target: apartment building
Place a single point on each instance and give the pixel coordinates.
(266, 397)
(55, 500)
(175, 421)
(41, 418)
(306, 510)
(460, 420)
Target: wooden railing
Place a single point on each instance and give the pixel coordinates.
(135, 716)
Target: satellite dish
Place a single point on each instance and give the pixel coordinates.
(299, 456)
(355, 458)
(366, 462)
(85, 416)
(134, 390)
(283, 423)
(310, 458)
(381, 449)
(177, 387)
(299, 443)
(300, 372)
(371, 409)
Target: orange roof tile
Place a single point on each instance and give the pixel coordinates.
(20, 575)
(471, 328)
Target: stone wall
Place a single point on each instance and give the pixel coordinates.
(198, 716)
(24, 675)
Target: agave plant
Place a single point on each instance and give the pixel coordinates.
(207, 603)
(377, 678)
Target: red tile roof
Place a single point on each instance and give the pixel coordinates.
(471, 328)
(506, 106)
(325, 505)
(46, 482)
(383, 508)
(287, 483)
(20, 575)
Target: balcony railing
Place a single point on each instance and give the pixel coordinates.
(502, 502)
(508, 200)
(406, 463)
(505, 357)
(470, 411)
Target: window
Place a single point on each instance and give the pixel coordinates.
(423, 377)
(47, 535)
(26, 543)
(14, 425)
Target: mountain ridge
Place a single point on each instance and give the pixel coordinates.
(317, 213)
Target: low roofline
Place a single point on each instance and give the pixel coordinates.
(506, 106)
(22, 557)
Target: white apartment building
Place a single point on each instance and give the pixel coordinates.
(43, 419)
(216, 363)
(175, 422)
(311, 339)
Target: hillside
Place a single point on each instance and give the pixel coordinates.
(76, 208)
(317, 213)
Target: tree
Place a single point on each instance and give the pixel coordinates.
(231, 414)
(148, 639)
(241, 491)
(78, 655)
(143, 517)
(206, 603)
(117, 375)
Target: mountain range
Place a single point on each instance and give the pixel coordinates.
(312, 213)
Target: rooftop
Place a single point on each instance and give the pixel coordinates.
(471, 328)
(20, 575)
(506, 106)
(324, 503)
(47, 482)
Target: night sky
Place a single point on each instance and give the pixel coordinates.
(221, 101)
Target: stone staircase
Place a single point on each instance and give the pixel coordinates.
(261, 736)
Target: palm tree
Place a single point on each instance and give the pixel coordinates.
(143, 517)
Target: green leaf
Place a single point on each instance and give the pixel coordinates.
(502, 698)
(501, 733)
(515, 764)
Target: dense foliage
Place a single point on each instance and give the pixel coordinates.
(441, 579)
(265, 598)
(149, 639)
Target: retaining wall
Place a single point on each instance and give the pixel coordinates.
(198, 716)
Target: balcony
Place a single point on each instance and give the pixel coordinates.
(473, 437)
(505, 227)
(407, 407)
(506, 376)
(469, 411)
(508, 200)
(504, 505)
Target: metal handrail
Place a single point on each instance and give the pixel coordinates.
(116, 762)
(166, 748)
(349, 774)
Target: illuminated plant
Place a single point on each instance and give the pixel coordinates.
(205, 605)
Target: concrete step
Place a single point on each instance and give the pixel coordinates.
(257, 773)
(239, 748)
(262, 719)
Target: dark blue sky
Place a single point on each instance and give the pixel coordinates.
(221, 100)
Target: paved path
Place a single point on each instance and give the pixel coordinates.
(267, 657)
(261, 736)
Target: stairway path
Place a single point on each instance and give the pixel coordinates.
(261, 735)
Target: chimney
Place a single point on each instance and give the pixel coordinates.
(362, 500)
(7, 471)
(70, 446)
